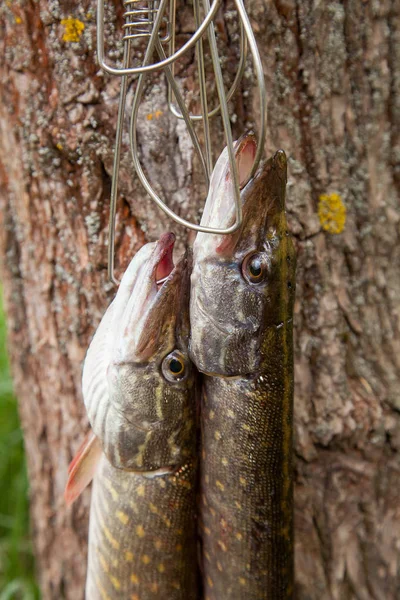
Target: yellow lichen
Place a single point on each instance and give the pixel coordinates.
(331, 213)
(156, 115)
(73, 29)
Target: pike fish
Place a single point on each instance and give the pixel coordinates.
(241, 310)
(139, 389)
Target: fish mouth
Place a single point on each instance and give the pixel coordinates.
(164, 262)
(156, 274)
(157, 287)
(262, 195)
(150, 313)
(219, 210)
(220, 205)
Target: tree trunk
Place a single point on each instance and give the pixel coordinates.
(333, 73)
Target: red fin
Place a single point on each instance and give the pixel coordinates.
(82, 468)
(87, 441)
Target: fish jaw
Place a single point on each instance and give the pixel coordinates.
(139, 325)
(141, 418)
(229, 313)
(219, 210)
(155, 416)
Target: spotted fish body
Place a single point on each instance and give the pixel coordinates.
(140, 393)
(142, 535)
(241, 315)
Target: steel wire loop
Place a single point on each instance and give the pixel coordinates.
(155, 21)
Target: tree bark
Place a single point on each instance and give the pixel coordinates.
(333, 72)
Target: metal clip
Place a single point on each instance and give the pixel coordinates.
(146, 19)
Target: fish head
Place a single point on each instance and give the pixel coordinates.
(144, 411)
(242, 283)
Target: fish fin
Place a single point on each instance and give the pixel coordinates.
(86, 443)
(82, 468)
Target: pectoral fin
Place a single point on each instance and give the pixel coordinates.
(82, 468)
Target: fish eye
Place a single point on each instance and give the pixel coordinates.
(174, 366)
(254, 268)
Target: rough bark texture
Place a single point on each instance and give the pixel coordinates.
(333, 74)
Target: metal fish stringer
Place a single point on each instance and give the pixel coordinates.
(155, 21)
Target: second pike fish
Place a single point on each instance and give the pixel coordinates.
(139, 389)
(242, 299)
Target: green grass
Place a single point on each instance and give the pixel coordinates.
(17, 578)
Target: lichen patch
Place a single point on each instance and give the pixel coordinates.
(331, 213)
(73, 29)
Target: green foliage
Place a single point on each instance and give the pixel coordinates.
(17, 580)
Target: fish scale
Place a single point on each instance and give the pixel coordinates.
(242, 340)
(140, 391)
(141, 536)
(246, 521)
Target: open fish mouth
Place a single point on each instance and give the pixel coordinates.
(160, 276)
(165, 265)
(219, 209)
(220, 205)
(154, 277)
(152, 301)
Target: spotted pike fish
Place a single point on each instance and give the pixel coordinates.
(139, 389)
(242, 296)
